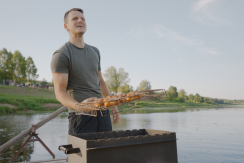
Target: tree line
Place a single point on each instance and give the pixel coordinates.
(181, 96)
(14, 66)
(118, 80)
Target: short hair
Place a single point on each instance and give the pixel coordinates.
(73, 9)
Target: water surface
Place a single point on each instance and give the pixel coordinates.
(204, 135)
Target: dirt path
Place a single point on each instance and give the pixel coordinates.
(9, 105)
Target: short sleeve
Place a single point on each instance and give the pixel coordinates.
(99, 64)
(60, 63)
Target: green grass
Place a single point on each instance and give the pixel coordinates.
(25, 91)
(160, 104)
(32, 99)
(25, 99)
(153, 110)
(7, 87)
(5, 109)
(26, 102)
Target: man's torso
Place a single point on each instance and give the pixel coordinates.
(82, 65)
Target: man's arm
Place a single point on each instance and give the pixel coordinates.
(60, 81)
(105, 92)
(103, 85)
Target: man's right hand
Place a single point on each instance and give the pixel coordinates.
(81, 106)
(92, 99)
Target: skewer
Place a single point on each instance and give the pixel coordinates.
(117, 100)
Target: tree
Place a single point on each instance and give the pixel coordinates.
(144, 85)
(123, 77)
(1, 75)
(172, 93)
(3, 60)
(115, 79)
(43, 82)
(14, 66)
(31, 70)
(20, 66)
(112, 79)
(197, 98)
(125, 89)
(206, 99)
(182, 94)
(6, 63)
(11, 66)
(191, 97)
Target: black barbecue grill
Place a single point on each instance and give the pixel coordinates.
(129, 146)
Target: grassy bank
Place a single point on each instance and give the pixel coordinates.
(17, 99)
(24, 99)
(167, 104)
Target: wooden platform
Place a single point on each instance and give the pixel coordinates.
(60, 160)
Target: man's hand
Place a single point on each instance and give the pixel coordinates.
(105, 92)
(92, 99)
(115, 113)
(86, 107)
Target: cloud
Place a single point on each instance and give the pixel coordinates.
(163, 32)
(137, 31)
(203, 14)
(201, 4)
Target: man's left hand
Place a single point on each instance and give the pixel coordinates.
(115, 113)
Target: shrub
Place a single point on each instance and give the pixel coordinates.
(178, 99)
(5, 109)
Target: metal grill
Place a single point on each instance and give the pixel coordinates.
(143, 145)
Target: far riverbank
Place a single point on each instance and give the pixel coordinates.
(170, 104)
(18, 100)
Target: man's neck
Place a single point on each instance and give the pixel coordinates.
(77, 41)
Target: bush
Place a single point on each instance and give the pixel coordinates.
(5, 109)
(33, 106)
(2, 110)
(178, 99)
(182, 99)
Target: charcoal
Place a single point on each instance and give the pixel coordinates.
(111, 134)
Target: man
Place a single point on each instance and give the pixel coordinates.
(77, 77)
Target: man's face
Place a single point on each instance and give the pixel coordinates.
(75, 23)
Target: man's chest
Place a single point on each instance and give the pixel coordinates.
(85, 63)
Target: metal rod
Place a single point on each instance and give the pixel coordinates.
(44, 145)
(25, 133)
(22, 147)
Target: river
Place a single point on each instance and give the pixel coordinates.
(204, 134)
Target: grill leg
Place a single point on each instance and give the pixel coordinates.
(21, 148)
(45, 146)
(33, 134)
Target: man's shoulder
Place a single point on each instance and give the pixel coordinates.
(92, 47)
(64, 49)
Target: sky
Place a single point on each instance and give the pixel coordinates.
(195, 45)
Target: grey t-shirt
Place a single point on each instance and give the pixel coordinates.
(82, 65)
